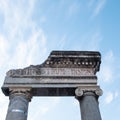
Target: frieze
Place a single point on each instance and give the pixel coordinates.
(52, 72)
(66, 72)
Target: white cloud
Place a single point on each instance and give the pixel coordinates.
(62, 42)
(107, 67)
(28, 52)
(22, 42)
(116, 94)
(73, 8)
(99, 7)
(26, 42)
(39, 112)
(90, 41)
(3, 50)
(96, 6)
(3, 106)
(3, 111)
(41, 109)
(110, 96)
(95, 40)
(107, 74)
(43, 19)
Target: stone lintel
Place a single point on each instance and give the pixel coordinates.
(55, 90)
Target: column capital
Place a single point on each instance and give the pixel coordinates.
(20, 91)
(79, 92)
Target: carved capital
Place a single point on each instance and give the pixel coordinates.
(26, 92)
(79, 92)
(98, 92)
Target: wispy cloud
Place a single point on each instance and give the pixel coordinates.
(70, 8)
(44, 107)
(62, 42)
(110, 96)
(21, 35)
(107, 67)
(90, 41)
(3, 50)
(22, 42)
(96, 7)
(31, 49)
(73, 8)
(3, 106)
(99, 6)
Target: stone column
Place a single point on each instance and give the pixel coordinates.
(18, 106)
(89, 105)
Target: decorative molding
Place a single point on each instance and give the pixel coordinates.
(51, 72)
(99, 92)
(79, 92)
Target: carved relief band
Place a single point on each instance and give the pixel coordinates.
(52, 72)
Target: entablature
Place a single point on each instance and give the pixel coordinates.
(61, 73)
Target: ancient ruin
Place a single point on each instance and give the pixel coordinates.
(64, 73)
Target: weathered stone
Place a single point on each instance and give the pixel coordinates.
(89, 106)
(64, 73)
(62, 69)
(63, 63)
(18, 106)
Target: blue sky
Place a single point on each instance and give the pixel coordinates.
(31, 29)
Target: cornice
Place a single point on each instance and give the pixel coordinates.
(63, 59)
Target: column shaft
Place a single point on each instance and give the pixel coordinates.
(89, 107)
(18, 105)
(18, 108)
